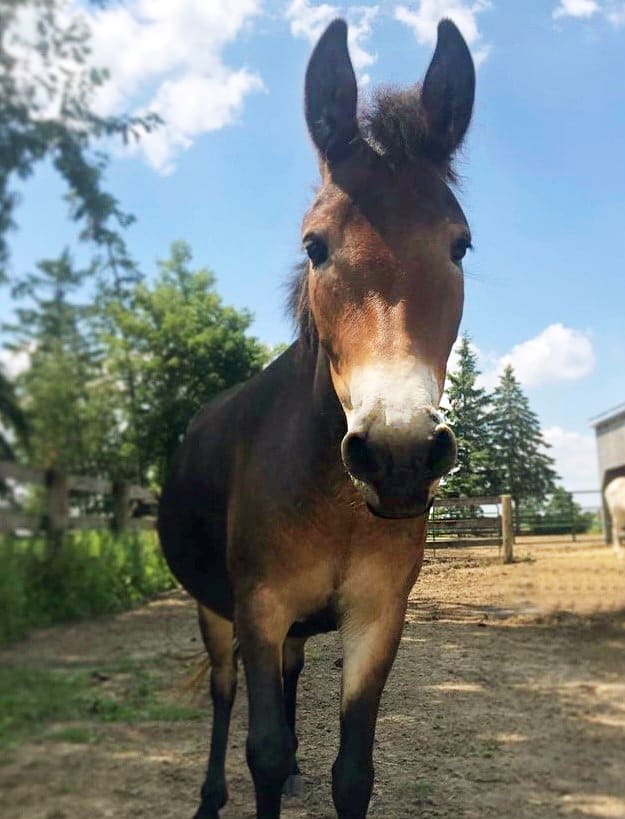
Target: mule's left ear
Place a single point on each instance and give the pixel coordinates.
(448, 92)
(331, 94)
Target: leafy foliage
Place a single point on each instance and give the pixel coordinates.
(559, 515)
(46, 94)
(13, 424)
(92, 573)
(469, 417)
(70, 415)
(185, 346)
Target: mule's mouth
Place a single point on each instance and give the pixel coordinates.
(399, 512)
(396, 506)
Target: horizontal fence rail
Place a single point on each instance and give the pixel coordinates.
(127, 506)
(479, 521)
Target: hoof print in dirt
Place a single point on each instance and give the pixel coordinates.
(294, 786)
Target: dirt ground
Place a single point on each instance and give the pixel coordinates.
(507, 699)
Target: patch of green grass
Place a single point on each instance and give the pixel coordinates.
(92, 573)
(423, 790)
(76, 734)
(31, 699)
(489, 749)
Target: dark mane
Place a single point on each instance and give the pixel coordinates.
(394, 124)
(298, 305)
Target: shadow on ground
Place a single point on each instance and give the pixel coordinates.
(490, 712)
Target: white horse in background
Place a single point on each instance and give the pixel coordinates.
(615, 499)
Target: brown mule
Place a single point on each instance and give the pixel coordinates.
(297, 502)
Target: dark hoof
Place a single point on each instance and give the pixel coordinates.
(213, 799)
(294, 785)
(206, 812)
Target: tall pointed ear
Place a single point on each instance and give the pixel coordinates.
(448, 92)
(331, 94)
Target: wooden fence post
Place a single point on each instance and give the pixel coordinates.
(57, 509)
(121, 506)
(507, 528)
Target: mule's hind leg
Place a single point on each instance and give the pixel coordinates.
(218, 636)
(292, 664)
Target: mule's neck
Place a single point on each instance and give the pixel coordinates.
(322, 419)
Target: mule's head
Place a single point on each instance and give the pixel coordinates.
(385, 238)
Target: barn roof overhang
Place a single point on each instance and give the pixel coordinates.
(608, 418)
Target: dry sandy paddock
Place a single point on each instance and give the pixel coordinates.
(507, 700)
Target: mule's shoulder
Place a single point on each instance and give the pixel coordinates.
(243, 402)
(221, 400)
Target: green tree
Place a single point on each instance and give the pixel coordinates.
(69, 426)
(562, 514)
(521, 465)
(468, 417)
(13, 424)
(185, 346)
(46, 93)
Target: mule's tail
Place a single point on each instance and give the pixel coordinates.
(195, 680)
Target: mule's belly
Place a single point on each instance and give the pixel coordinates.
(320, 622)
(195, 550)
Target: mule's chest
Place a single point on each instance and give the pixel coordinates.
(332, 570)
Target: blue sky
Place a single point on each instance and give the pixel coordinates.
(543, 170)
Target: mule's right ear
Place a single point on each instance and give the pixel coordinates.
(331, 94)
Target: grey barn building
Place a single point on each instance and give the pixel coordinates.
(610, 436)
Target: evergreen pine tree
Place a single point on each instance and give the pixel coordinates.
(13, 425)
(468, 417)
(522, 467)
(69, 425)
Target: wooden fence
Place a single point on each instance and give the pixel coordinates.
(453, 521)
(63, 502)
(462, 522)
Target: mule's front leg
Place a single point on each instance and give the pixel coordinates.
(369, 648)
(261, 628)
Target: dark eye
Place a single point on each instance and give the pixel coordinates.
(459, 249)
(316, 249)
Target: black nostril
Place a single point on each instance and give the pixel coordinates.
(443, 452)
(359, 457)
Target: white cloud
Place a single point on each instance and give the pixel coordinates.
(611, 10)
(558, 353)
(424, 18)
(168, 57)
(14, 363)
(576, 8)
(576, 460)
(308, 21)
